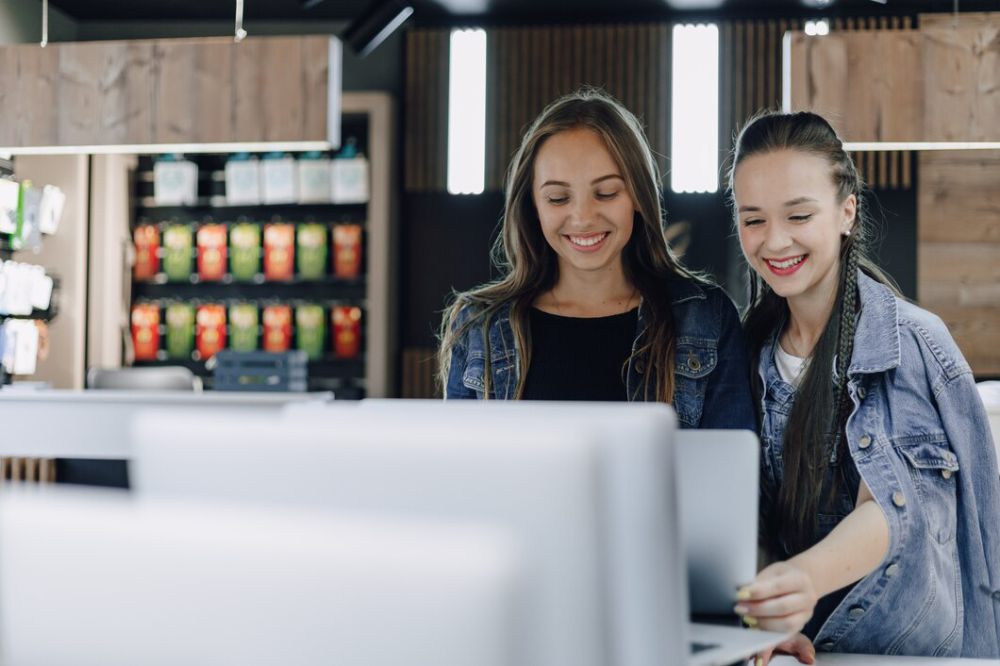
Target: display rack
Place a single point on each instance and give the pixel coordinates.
(367, 119)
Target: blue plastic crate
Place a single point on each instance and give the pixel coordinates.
(261, 371)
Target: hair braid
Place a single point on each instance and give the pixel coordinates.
(845, 345)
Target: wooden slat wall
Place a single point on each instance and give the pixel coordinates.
(528, 67)
(958, 248)
(751, 81)
(36, 470)
(420, 373)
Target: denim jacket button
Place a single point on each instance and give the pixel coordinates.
(898, 499)
(856, 613)
(861, 393)
(891, 570)
(825, 646)
(864, 442)
(946, 473)
(694, 363)
(996, 596)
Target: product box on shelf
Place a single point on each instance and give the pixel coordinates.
(277, 328)
(147, 252)
(244, 244)
(347, 251)
(242, 180)
(310, 330)
(210, 330)
(278, 175)
(346, 331)
(243, 325)
(314, 178)
(279, 251)
(212, 252)
(146, 331)
(312, 251)
(180, 330)
(175, 182)
(178, 243)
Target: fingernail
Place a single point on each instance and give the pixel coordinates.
(759, 661)
(740, 609)
(743, 594)
(750, 620)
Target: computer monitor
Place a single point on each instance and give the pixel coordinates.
(475, 461)
(99, 580)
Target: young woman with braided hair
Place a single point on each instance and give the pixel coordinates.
(880, 494)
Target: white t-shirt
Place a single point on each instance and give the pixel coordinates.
(791, 368)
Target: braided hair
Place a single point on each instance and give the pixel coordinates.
(814, 435)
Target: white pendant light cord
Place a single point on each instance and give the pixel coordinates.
(45, 23)
(240, 32)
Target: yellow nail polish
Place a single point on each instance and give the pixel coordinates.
(743, 594)
(750, 621)
(759, 661)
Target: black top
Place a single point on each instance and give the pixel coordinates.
(575, 358)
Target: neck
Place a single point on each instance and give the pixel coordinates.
(809, 314)
(590, 293)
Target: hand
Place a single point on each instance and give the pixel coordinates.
(798, 646)
(782, 598)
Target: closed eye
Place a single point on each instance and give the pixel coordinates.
(751, 221)
(800, 218)
(557, 201)
(606, 196)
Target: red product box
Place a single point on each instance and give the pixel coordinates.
(212, 249)
(146, 331)
(346, 331)
(147, 252)
(279, 251)
(277, 328)
(347, 251)
(210, 330)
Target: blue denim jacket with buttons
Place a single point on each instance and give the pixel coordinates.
(920, 439)
(712, 379)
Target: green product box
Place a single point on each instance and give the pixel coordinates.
(180, 330)
(243, 320)
(244, 251)
(310, 330)
(178, 259)
(312, 251)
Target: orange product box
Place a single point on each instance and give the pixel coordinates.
(210, 330)
(147, 252)
(279, 251)
(212, 249)
(146, 331)
(277, 328)
(347, 251)
(346, 331)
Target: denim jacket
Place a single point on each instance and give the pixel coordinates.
(712, 383)
(919, 437)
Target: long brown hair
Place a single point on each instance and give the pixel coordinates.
(529, 266)
(813, 438)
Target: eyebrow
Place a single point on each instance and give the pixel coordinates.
(788, 204)
(593, 182)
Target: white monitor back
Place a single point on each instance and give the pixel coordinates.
(612, 542)
(541, 485)
(103, 581)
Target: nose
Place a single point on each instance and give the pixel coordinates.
(777, 238)
(584, 211)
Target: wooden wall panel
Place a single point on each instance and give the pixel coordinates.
(958, 240)
(165, 91)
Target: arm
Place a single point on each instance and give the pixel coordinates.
(728, 403)
(784, 595)
(455, 388)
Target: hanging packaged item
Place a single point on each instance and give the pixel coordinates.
(210, 330)
(314, 178)
(279, 251)
(312, 251)
(277, 328)
(10, 196)
(50, 209)
(175, 181)
(146, 331)
(310, 330)
(349, 175)
(30, 235)
(212, 252)
(278, 176)
(346, 331)
(244, 244)
(20, 346)
(177, 247)
(180, 330)
(243, 327)
(242, 180)
(347, 251)
(147, 252)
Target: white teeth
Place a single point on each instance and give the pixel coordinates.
(787, 263)
(587, 241)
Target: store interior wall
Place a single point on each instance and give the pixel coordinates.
(21, 22)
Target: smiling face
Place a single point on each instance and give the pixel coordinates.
(584, 207)
(791, 221)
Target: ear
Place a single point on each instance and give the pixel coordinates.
(850, 213)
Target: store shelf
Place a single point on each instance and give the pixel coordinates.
(319, 291)
(262, 213)
(344, 377)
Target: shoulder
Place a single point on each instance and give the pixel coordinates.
(924, 336)
(700, 304)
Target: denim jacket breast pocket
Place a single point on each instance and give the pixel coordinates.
(694, 361)
(474, 377)
(932, 467)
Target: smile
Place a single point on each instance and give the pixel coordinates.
(589, 242)
(787, 265)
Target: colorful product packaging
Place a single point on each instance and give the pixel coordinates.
(243, 320)
(347, 251)
(244, 251)
(312, 251)
(177, 246)
(212, 252)
(146, 331)
(147, 252)
(277, 328)
(346, 331)
(210, 330)
(180, 330)
(279, 251)
(310, 330)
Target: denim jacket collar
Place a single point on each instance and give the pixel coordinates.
(876, 341)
